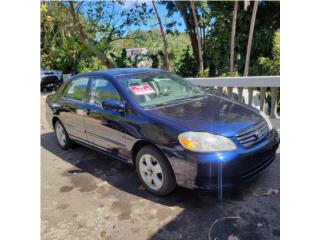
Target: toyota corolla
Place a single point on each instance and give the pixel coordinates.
(169, 129)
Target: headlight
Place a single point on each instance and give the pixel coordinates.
(205, 142)
(267, 119)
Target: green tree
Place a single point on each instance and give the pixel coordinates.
(123, 61)
(102, 30)
(218, 36)
(187, 66)
(191, 22)
(60, 49)
(90, 27)
(85, 39)
(233, 35)
(155, 60)
(196, 29)
(271, 65)
(252, 23)
(163, 35)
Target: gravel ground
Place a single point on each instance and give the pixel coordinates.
(85, 195)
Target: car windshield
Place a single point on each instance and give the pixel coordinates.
(158, 88)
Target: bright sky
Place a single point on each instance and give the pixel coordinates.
(161, 10)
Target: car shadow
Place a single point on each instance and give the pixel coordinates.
(200, 208)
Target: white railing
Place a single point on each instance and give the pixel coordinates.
(246, 89)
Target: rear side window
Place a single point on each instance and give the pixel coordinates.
(77, 89)
(102, 89)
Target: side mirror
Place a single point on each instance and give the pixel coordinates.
(112, 105)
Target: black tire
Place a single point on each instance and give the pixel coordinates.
(68, 142)
(168, 177)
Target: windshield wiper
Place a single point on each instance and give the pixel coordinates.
(156, 105)
(160, 104)
(191, 97)
(198, 96)
(176, 100)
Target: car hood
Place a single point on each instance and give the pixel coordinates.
(212, 113)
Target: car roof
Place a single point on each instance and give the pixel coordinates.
(125, 71)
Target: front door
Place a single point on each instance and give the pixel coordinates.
(74, 104)
(104, 127)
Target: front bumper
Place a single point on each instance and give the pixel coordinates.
(210, 171)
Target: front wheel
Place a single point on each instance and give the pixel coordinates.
(155, 171)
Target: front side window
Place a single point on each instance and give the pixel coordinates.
(102, 89)
(155, 88)
(77, 89)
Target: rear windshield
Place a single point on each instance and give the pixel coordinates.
(155, 88)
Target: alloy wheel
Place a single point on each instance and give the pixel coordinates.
(151, 171)
(61, 134)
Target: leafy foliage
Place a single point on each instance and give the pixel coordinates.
(217, 43)
(59, 48)
(271, 66)
(112, 27)
(186, 66)
(177, 43)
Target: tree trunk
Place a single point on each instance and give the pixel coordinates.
(196, 29)
(204, 47)
(163, 35)
(86, 42)
(233, 35)
(190, 26)
(253, 19)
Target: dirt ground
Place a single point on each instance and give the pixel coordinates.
(85, 195)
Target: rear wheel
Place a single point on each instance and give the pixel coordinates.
(62, 136)
(155, 171)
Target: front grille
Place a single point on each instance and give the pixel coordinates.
(253, 135)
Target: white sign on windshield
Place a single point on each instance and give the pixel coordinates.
(142, 89)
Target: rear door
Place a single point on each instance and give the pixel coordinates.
(104, 127)
(73, 104)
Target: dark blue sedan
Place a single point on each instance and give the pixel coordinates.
(172, 131)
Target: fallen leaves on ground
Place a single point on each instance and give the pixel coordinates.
(271, 191)
(103, 235)
(219, 220)
(173, 208)
(259, 225)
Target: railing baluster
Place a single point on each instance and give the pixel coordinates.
(250, 91)
(262, 98)
(240, 96)
(274, 92)
(230, 92)
(226, 85)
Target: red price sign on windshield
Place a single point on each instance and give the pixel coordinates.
(141, 89)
